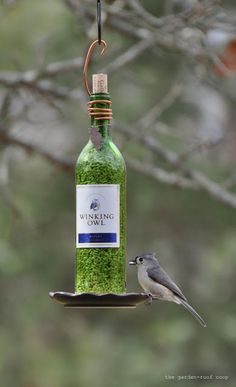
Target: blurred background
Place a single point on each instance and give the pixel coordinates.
(171, 68)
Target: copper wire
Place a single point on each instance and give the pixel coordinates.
(87, 60)
(99, 113)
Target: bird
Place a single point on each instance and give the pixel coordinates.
(158, 284)
(95, 205)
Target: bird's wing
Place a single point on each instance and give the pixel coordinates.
(159, 275)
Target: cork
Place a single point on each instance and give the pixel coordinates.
(100, 83)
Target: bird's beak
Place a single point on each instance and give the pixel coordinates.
(132, 262)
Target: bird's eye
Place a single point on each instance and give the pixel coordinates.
(140, 259)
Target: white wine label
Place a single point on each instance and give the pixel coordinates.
(97, 215)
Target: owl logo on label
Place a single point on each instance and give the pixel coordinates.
(95, 205)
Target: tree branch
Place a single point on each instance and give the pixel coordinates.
(60, 162)
(197, 178)
(159, 174)
(148, 31)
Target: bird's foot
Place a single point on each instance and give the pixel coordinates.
(149, 300)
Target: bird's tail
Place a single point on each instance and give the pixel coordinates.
(193, 311)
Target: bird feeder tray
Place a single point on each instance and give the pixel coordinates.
(92, 300)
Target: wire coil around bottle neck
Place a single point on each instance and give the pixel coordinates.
(99, 113)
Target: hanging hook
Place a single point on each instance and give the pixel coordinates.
(87, 60)
(99, 21)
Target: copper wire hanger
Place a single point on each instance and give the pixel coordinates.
(93, 45)
(97, 112)
(87, 61)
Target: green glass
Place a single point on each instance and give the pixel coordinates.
(99, 269)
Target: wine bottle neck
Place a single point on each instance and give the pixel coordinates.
(103, 125)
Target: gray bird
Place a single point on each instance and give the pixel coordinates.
(156, 282)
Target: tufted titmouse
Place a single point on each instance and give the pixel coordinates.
(156, 282)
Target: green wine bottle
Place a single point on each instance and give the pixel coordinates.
(100, 203)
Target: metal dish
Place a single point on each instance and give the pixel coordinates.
(92, 300)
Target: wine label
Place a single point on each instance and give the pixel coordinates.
(97, 215)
